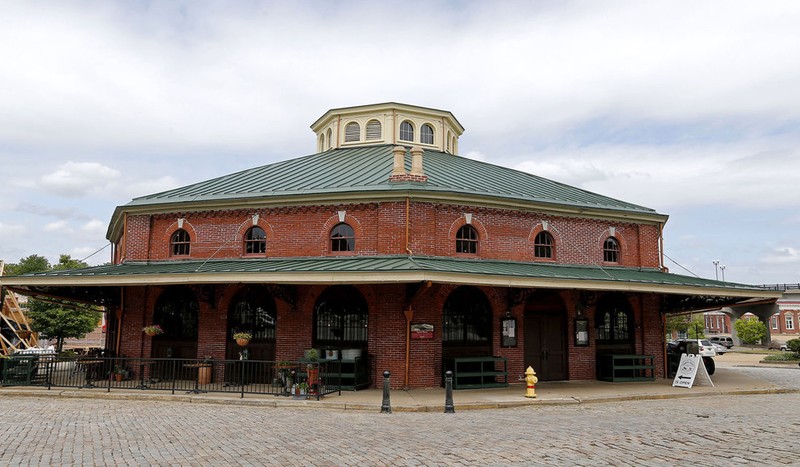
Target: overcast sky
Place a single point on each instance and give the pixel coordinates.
(691, 108)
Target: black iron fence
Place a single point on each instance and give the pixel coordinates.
(301, 380)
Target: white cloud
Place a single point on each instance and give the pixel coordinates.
(57, 226)
(783, 255)
(76, 179)
(11, 230)
(94, 227)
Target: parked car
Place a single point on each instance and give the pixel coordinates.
(719, 348)
(695, 346)
(722, 340)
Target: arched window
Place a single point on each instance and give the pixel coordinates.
(455, 145)
(255, 241)
(343, 238)
(467, 240)
(426, 134)
(611, 250)
(330, 138)
(406, 131)
(180, 243)
(176, 312)
(253, 310)
(373, 130)
(341, 318)
(543, 245)
(352, 132)
(466, 318)
(321, 145)
(448, 142)
(614, 319)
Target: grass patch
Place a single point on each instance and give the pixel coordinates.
(782, 357)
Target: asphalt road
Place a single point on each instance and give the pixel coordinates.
(719, 431)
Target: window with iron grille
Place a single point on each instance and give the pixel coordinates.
(253, 310)
(543, 245)
(467, 240)
(426, 134)
(180, 243)
(373, 130)
(176, 311)
(352, 132)
(255, 241)
(466, 318)
(614, 320)
(341, 318)
(406, 131)
(611, 250)
(343, 238)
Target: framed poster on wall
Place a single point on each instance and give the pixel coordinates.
(509, 332)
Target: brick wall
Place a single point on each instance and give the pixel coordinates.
(380, 229)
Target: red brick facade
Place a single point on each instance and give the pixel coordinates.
(380, 229)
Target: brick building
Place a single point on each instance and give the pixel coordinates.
(388, 242)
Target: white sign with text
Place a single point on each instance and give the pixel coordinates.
(689, 369)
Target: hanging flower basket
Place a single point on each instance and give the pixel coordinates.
(242, 338)
(153, 330)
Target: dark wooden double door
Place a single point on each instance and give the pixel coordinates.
(546, 337)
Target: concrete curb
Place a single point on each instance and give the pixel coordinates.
(375, 407)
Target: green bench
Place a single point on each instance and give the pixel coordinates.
(626, 368)
(478, 372)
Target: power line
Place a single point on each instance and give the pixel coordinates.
(680, 265)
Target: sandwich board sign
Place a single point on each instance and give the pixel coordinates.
(689, 369)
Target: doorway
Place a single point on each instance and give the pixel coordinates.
(545, 336)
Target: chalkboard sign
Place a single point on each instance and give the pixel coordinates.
(509, 332)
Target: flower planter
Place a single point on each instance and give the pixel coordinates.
(204, 374)
(242, 342)
(151, 333)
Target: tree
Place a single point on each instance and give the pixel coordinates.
(697, 327)
(693, 325)
(678, 323)
(750, 330)
(59, 322)
(56, 320)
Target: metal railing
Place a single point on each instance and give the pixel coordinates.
(301, 380)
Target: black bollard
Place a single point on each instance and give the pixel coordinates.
(386, 406)
(448, 392)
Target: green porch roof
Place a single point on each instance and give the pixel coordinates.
(387, 269)
(367, 170)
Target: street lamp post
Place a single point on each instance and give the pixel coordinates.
(722, 268)
(716, 269)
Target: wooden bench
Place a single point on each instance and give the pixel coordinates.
(478, 372)
(626, 367)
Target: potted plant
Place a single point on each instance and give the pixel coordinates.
(153, 330)
(242, 338)
(312, 368)
(119, 372)
(302, 390)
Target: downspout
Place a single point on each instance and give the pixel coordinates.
(661, 245)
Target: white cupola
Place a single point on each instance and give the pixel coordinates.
(388, 123)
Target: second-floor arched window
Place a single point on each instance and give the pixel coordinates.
(180, 243)
(255, 241)
(543, 245)
(467, 240)
(343, 238)
(611, 250)
(352, 132)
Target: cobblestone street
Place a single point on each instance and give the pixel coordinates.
(734, 430)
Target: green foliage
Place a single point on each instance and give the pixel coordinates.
(782, 357)
(33, 263)
(751, 330)
(794, 346)
(677, 323)
(697, 327)
(55, 322)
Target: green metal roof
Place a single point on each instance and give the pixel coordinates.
(367, 169)
(388, 269)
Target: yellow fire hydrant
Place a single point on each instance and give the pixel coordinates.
(531, 379)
